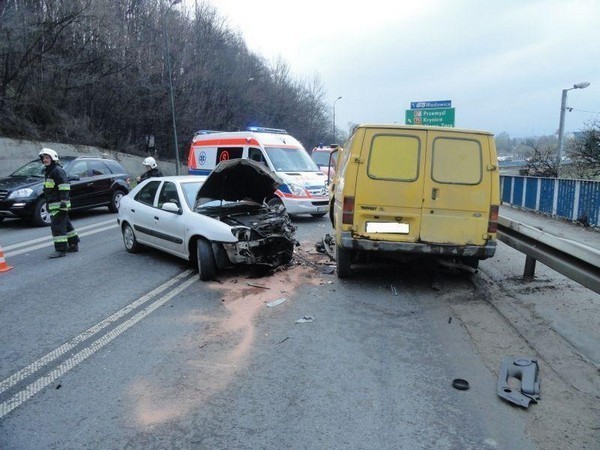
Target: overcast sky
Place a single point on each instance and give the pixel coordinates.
(503, 64)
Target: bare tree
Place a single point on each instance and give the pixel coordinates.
(542, 159)
(584, 152)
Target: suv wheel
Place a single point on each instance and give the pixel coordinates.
(115, 201)
(41, 215)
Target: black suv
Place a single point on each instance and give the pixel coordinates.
(94, 182)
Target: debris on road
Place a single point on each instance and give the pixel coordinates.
(527, 371)
(460, 384)
(279, 301)
(305, 319)
(257, 285)
(394, 290)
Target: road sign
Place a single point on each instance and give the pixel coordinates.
(441, 117)
(431, 104)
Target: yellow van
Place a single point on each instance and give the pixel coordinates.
(415, 190)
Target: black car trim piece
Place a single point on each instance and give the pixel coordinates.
(144, 230)
(167, 237)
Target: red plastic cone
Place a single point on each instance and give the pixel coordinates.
(3, 266)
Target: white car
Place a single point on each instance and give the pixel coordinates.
(216, 221)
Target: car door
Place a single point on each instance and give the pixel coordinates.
(169, 227)
(141, 213)
(102, 179)
(81, 186)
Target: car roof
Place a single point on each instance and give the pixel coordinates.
(182, 178)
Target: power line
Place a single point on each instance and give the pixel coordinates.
(582, 110)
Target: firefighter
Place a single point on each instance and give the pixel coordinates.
(152, 169)
(56, 192)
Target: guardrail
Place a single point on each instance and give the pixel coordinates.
(576, 200)
(572, 259)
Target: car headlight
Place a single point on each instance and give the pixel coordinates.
(20, 193)
(297, 190)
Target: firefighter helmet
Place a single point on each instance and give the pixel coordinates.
(51, 153)
(150, 161)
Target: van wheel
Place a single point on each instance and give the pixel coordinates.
(343, 259)
(207, 267)
(471, 262)
(41, 215)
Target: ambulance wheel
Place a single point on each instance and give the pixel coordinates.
(131, 243)
(207, 268)
(343, 259)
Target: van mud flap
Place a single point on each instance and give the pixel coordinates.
(527, 371)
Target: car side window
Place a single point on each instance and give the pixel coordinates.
(168, 193)
(147, 193)
(79, 168)
(98, 168)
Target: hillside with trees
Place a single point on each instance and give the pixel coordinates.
(96, 72)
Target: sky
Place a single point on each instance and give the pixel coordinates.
(502, 64)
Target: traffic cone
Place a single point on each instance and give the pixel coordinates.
(3, 266)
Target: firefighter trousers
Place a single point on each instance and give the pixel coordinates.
(63, 232)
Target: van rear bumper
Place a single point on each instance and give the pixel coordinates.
(423, 248)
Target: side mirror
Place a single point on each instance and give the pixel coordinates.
(172, 207)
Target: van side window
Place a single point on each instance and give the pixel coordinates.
(255, 154)
(456, 161)
(394, 157)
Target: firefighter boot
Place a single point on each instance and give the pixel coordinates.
(73, 248)
(57, 254)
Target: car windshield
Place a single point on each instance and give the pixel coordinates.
(322, 158)
(190, 190)
(32, 169)
(291, 160)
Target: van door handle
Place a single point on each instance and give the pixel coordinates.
(434, 193)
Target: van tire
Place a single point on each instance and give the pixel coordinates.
(471, 262)
(207, 268)
(343, 259)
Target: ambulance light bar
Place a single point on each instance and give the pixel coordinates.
(266, 130)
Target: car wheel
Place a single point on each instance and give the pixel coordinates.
(207, 267)
(343, 259)
(115, 201)
(276, 203)
(40, 216)
(318, 214)
(131, 243)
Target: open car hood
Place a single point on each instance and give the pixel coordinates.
(239, 179)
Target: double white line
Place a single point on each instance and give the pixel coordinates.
(36, 386)
(35, 244)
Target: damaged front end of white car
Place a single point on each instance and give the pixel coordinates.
(235, 194)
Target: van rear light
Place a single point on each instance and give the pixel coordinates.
(348, 211)
(493, 220)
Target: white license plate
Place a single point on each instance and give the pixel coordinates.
(388, 227)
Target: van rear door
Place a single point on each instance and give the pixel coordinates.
(457, 190)
(389, 184)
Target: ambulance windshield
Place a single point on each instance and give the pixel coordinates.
(291, 159)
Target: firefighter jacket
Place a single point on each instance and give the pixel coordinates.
(151, 173)
(56, 189)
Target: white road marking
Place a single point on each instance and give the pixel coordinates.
(42, 382)
(50, 242)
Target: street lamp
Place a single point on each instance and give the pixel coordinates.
(561, 127)
(168, 58)
(334, 117)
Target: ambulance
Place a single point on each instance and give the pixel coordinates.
(304, 190)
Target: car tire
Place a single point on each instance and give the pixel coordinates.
(207, 267)
(343, 260)
(41, 215)
(115, 201)
(131, 243)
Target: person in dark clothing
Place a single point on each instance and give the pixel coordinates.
(151, 169)
(57, 193)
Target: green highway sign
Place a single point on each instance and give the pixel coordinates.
(441, 117)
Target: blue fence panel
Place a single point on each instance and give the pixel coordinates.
(589, 203)
(547, 195)
(531, 192)
(566, 198)
(505, 186)
(518, 191)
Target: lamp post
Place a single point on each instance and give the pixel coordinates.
(168, 58)
(561, 126)
(334, 138)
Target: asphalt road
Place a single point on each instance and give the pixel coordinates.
(104, 349)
